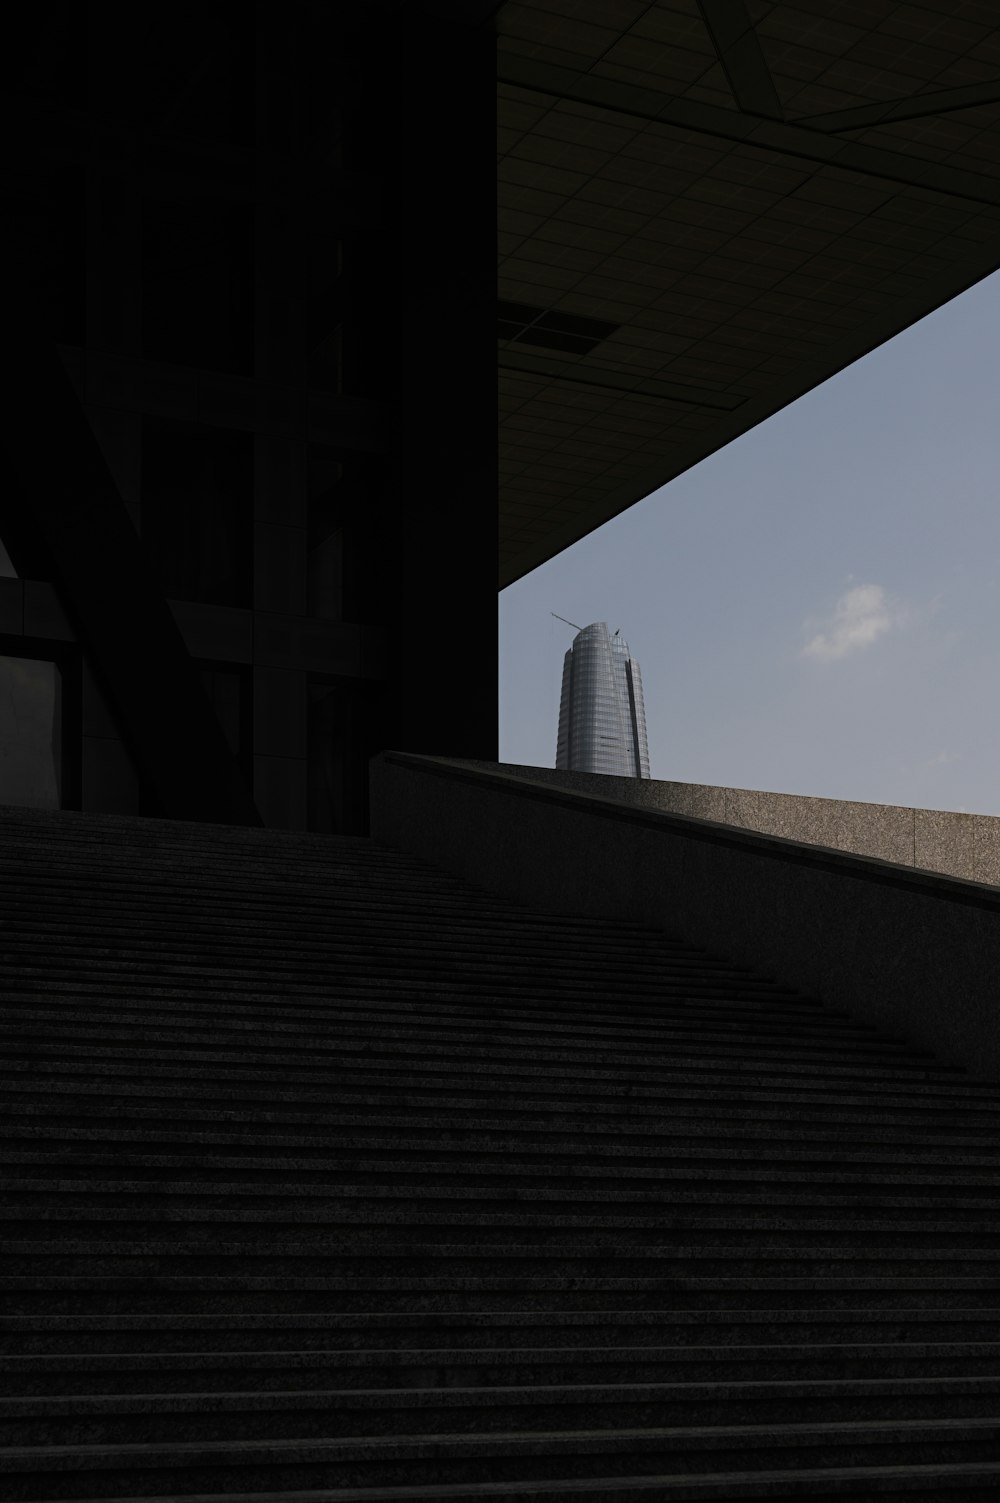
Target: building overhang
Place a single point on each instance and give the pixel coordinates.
(706, 210)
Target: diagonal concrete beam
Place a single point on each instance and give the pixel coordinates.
(63, 502)
(742, 59)
(914, 107)
(782, 137)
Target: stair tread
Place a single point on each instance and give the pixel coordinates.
(720, 1435)
(299, 1126)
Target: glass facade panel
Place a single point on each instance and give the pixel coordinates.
(602, 719)
(30, 733)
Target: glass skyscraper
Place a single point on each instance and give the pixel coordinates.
(602, 719)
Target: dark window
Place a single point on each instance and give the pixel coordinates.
(337, 766)
(229, 691)
(197, 283)
(349, 575)
(39, 725)
(197, 511)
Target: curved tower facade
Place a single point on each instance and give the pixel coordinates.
(602, 718)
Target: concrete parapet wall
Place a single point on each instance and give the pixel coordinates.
(914, 952)
(963, 845)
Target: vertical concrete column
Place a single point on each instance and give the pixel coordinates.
(446, 461)
(110, 779)
(280, 746)
(114, 251)
(280, 697)
(421, 144)
(279, 263)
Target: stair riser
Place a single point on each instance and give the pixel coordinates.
(127, 939)
(529, 1054)
(194, 1295)
(497, 1271)
(328, 1230)
(349, 901)
(345, 1415)
(349, 1063)
(678, 1103)
(177, 1482)
(199, 1018)
(255, 1174)
(209, 1375)
(20, 1127)
(668, 1012)
(494, 1332)
(747, 1210)
(715, 1131)
(330, 993)
(307, 926)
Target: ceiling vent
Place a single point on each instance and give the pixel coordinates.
(524, 324)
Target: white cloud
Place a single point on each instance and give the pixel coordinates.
(860, 616)
(943, 757)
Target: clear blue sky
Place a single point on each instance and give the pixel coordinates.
(816, 607)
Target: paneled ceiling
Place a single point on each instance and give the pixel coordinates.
(706, 209)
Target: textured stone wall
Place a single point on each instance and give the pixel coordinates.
(963, 845)
(913, 951)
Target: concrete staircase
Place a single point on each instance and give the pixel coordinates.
(327, 1177)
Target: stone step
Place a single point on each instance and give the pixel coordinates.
(578, 1331)
(430, 1203)
(255, 1135)
(691, 1120)
(350, 1057)
(725, 1291)
(398, 1101)
(363, 998)
(213, 1415)
(202, 1465)
(117, 965)
(944, 1482)
(196, 1295)
(116, 1031)
(92, 873)
(324, 1173)
(329, 1002)
(518, 932)
(72, 1161)
(166, 1371)
(648, 1000)
(673, 1020)
(334, 1264)
(318, 928)
(713, 1232)
(350, 906)
(359, 985)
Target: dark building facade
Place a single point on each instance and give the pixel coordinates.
(264, 302)
(256, 400)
